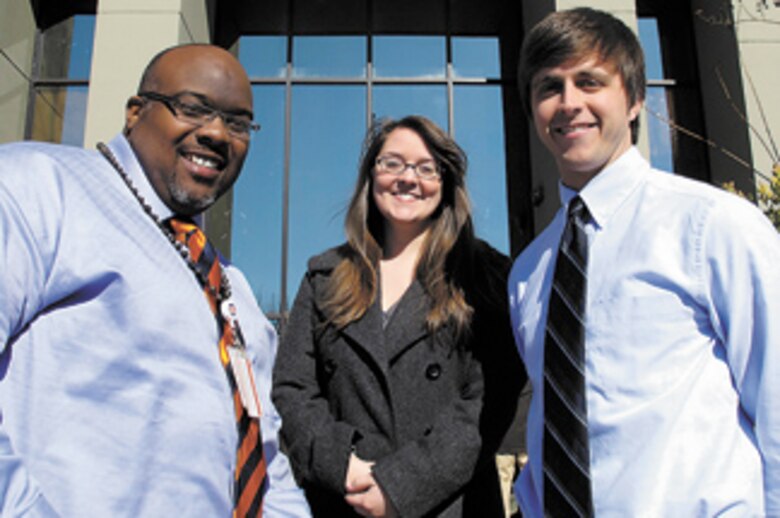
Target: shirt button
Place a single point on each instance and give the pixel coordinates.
(433, 371)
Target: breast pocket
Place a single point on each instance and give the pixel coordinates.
(650, 341)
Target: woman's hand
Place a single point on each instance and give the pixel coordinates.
(356, 469)
(367, 498)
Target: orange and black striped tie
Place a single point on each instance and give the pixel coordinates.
(250, 475)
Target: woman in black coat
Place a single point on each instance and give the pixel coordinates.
(391, 377)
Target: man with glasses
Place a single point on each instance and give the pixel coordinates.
(136, 366)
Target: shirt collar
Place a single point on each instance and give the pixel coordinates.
(126, 156)
(607, 191)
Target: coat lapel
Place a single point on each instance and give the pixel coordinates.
(367, 333)
(407, 325)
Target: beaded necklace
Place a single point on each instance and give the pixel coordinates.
(224, 284)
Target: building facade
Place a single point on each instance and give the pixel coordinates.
(323, 71)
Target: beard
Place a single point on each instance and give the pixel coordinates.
(193, 204)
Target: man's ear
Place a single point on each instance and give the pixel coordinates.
(633, 112)
(132, 112)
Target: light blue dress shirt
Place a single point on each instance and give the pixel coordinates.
(682, 347)
(113, 398)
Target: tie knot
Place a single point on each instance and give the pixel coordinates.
(182, 227)
(185, 231)
(578, 210)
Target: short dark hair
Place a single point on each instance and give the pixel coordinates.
(149, 77)
(572, 35)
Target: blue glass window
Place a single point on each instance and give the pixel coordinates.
(328, 124)
(409, 56)
(651, 45)
(81, 47)
(479, 130)
(396, 101)
(475, 57)
(257, 201)
(64, 59)
(263, 56)
(656, 101)
(329, 56)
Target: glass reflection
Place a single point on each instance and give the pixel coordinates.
(396, 101)
(66, 49)
(651, 45)
(329, 56)
(60, 114)
(409, 56)
(328, 124)
(658, 130)
(480, 132)
(475, 57)
(263, 56)
(256, 244)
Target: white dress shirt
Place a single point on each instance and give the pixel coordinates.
(682, 347)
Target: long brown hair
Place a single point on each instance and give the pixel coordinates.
(444, 267)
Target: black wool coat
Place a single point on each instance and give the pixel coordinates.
(428, 411)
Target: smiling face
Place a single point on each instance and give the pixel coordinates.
(406, 202)
(582, 115)
(190, 166)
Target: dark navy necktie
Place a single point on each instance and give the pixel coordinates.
(566, 453)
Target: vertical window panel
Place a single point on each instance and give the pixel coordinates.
(475, 57)
(329, 56)
(656, 101)
(257, 201)
(480, 132)
(65, 50)
(64, 61)
(651, 45)
(396, 101)
(658, 130)
(80, 62)
(75, 115)
(409, 56)
(263, 56)
(328, 125)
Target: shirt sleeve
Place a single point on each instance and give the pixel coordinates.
(742, 265)
(23, 272)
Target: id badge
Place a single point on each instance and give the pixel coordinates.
(245, 380)
(239, 362)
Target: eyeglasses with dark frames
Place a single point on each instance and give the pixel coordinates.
(393, 165)
(199, 114)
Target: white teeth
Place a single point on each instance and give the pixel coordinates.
(406, 196)
(203, 162)
(571, 129)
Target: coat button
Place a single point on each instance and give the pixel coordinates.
(433, 371)
(330, 366)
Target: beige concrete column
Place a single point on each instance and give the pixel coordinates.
(758, 38)
(127, 34)
(17, 40)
